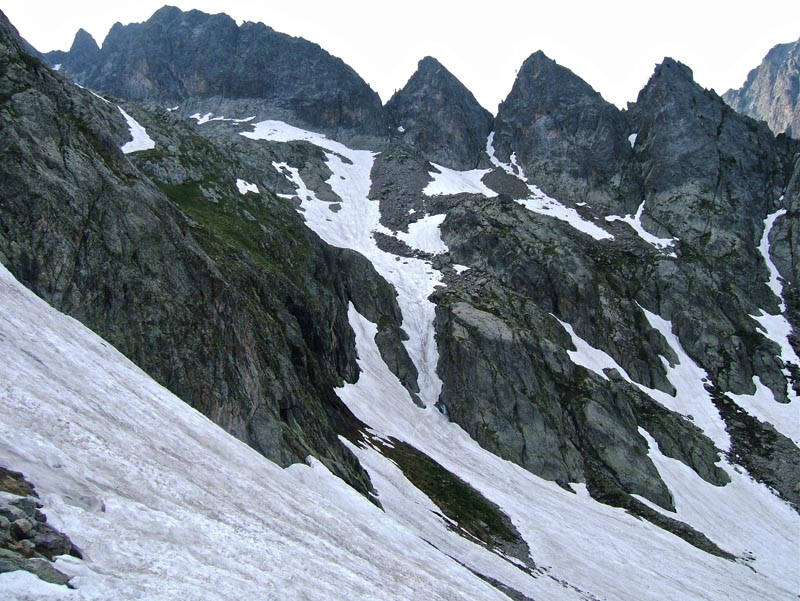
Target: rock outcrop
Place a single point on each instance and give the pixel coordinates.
(439, 117)
(771, 92)
(27, 541)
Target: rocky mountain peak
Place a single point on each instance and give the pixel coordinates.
(771, 92)
(439, 116)
(177, 56)
(84, 42)
(84, 46)
(571, 141)
(544, 79)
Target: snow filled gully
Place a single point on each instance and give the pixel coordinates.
(582, 549)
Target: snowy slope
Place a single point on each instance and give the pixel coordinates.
(637, 560)
(165, 505)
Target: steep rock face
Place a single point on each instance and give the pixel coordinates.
(438, 116)
(179, 55)
(508, 379)
(570, 141)
(710, 178)
(84, 51)
(771, 92)
(227, 300)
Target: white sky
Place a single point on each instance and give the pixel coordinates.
(613, 45)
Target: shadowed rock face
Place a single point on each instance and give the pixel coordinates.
(178, 55)
(571, 142)
(439, 117)
(771, 92)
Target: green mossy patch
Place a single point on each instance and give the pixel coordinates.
(221, 227)
(458, 501)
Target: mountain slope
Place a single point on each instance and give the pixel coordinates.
(771, 91)
(194, 512)
(233, 314)
(177, 55)
(520, 376)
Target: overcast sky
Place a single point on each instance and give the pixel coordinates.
(613, 45)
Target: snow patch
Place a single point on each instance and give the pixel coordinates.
(541, 203)
(245, 187)
(632, 139)
(57, 67)
(635, 221)
(141, 140)
(449, 181)
(774, 282)
(460, 268)
(201, 119)
(401, 129)
(425, 235)
(785, 417)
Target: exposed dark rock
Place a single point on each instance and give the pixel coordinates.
(710, 178)
(570, 141)
(435, 114)
(771, 92)
(176, 56)
(27, 541)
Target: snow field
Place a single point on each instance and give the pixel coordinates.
(635, 560)
(767, 529)
(165, 505)
(141, 140)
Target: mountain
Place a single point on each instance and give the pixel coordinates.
(496, 345)
(772, 90)
(565, 136)
(178, 55)
(440, 117)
